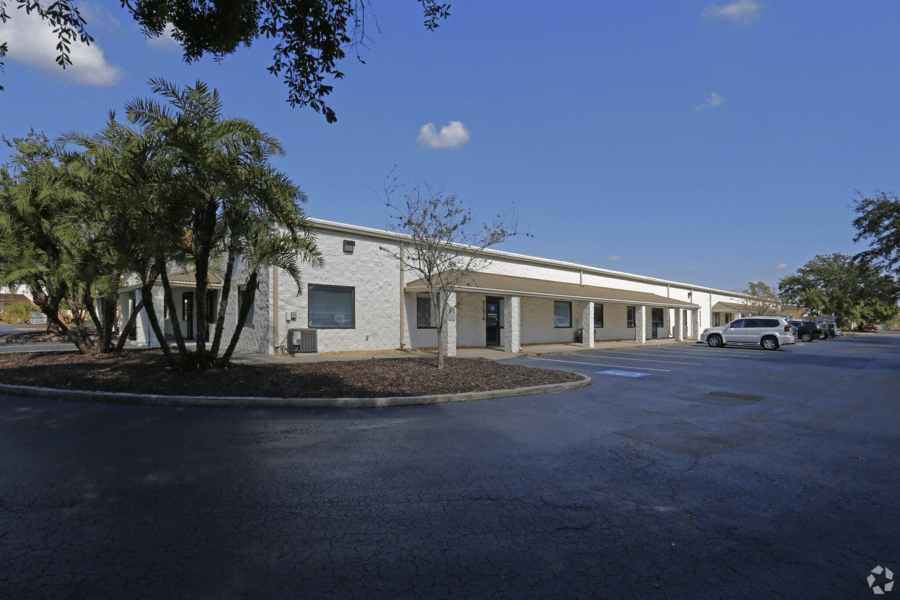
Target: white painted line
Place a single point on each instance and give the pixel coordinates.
(672, 354)
(589, 364)
(647, 360)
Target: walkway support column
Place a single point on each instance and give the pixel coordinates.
(695, 324)
(640, 324)
(512, 326)
(587, 325)
(448, 339)
(679, 325)
(143, 333)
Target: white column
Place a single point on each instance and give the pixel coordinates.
(142, 332)
(640, 324)
(695, 324)
(124, 310)
(448, 339)
(679, 326)
(587, 325)
(512, 324)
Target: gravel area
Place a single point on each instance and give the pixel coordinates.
(146, 372)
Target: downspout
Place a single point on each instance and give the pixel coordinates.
(402, 297)
(275, 306)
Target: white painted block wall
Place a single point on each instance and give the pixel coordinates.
(375, 277)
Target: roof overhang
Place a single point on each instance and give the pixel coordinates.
(507, 285)
(731, 307)
(182, 279)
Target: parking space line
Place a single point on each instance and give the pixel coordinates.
(732, 351)
(666, 354)
(687, 355)
(646, 359)
(589, 364)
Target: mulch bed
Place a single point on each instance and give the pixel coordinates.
(146, 372)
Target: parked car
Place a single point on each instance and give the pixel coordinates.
(868, 327)
(769, 332)
(808, 330)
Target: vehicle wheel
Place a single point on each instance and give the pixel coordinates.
(769, 343)
(714, 341)
(806, 336)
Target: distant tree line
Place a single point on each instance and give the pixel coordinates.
(862, 288)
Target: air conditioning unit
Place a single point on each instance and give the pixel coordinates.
(302, 340)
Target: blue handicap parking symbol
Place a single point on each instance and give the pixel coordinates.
(623, 373)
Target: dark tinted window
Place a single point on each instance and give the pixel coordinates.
(737, 324)
(770, 323)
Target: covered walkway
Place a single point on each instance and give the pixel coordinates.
(649, 315)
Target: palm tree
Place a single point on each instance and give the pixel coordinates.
(42, 243)
(222, 177)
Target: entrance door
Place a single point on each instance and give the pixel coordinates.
(656, 316)
(492, 321)
(187, 314)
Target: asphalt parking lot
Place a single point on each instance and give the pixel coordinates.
(683, 472)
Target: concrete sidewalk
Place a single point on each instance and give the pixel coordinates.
(244, 356)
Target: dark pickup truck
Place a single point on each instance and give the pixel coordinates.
(808, 331)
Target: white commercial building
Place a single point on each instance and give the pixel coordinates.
(362, 300)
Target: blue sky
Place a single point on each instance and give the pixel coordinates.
(708, 143)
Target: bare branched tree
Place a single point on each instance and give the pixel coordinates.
(443, 245)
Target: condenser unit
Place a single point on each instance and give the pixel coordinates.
(302, 340)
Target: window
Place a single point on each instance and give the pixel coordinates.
(562, 314)
(598, 316)
(249, 321)
(424, 317)
(331, 307)
(630, 316)
(212, 310)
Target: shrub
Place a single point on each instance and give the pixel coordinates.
(17, 313)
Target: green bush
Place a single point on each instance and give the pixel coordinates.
(17, 313)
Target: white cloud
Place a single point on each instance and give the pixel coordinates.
(33, 43)
(712, 101)
(452, 135)
(740, 12)
(782, 266)
(98, 15)
(614, 258)
(165, 41)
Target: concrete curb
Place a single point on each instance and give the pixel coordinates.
(254, 402)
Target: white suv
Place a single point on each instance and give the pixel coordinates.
(768, 332)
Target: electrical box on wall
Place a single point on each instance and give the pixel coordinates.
(349, 245)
